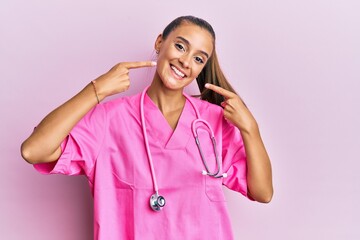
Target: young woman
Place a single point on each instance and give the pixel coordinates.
(152, 166)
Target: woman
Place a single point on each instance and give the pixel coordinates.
(140, 149)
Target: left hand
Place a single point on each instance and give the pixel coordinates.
(235, 110)
(259, 176)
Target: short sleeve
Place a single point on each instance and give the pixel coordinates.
(81, 147)
(234, 159)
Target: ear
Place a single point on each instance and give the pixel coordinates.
(158, 42)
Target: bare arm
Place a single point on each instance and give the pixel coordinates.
(43, 145)
(259, 174)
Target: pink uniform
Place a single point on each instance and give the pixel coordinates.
(107, 146)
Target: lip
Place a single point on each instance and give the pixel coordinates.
(180, 70)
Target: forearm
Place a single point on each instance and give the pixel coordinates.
(43, 145)
(259, 174)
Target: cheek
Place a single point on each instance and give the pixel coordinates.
(197, 70)
(162, 60)
(162, 70)
(161, 66)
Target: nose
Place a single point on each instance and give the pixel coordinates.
(185, 60)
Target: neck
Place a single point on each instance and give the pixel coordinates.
(165, 99)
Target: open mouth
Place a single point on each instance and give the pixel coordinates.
(177, 72)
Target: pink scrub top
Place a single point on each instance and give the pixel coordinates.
(107, 146)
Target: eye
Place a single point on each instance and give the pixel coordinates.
(199, 60)
(180, 47)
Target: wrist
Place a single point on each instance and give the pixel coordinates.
(250, 130)
(93, 83)
(98, 90)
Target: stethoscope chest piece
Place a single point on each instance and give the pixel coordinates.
(157, 202)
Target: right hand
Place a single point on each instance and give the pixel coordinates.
(117, 80)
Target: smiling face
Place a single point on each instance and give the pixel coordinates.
(182, 55)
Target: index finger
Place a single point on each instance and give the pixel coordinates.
(141, 64)
(225, 93)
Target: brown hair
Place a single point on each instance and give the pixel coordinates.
(211, 72)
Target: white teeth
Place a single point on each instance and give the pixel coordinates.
(180, 74)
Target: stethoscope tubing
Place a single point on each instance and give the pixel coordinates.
(147, 141)
(194, 131)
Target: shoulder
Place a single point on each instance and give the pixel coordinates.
(206, 108)
(122, 104)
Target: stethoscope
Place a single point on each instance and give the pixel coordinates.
(157, 202)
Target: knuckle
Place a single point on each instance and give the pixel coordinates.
(125, 85)
(124, 71)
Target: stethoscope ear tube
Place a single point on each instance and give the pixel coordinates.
(216, 173)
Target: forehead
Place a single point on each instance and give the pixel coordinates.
(199, 38)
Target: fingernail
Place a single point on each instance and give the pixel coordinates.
(153, 63)
(207, 85)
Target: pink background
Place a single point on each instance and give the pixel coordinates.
(296, 64)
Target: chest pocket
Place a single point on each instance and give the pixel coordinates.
(213, 186)
(213, 189)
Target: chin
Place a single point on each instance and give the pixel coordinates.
(172, 86)
(172, 83)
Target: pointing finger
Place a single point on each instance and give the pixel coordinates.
(225, 93)
(131, 65)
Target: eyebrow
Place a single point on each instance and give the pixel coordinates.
(188, 43)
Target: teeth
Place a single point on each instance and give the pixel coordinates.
(180, 74)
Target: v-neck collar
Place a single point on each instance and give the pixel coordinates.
(159, 130)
